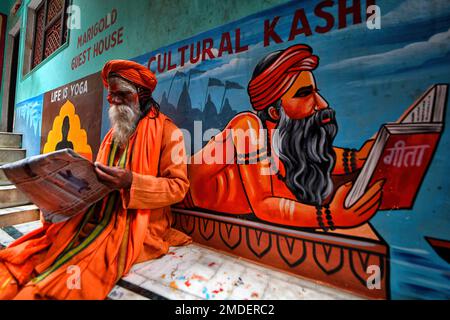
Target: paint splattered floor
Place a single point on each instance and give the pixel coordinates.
(195, 272)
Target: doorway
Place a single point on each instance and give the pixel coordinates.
(9, 88)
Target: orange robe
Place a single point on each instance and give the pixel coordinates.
(84, 257)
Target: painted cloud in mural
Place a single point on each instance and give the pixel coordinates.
(410, 56)
(415, 10)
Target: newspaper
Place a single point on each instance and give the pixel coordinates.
(61, 183)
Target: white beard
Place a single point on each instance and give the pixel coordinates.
(123, 120)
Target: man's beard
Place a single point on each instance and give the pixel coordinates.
(305, 147)
(123, 120)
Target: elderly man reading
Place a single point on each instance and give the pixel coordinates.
(130, 225)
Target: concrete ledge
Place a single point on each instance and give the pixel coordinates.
(10, 155)
(10, 140)
(338, 260)
(10, 196)
(3, 179)
(17, 215)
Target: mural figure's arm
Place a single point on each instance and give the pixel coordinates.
(256, 180)
(294, 213)
(351, 160)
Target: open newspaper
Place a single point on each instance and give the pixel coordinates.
(61, 183)
(402, 152)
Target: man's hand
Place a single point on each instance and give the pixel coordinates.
(114, 177)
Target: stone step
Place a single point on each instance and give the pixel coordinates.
(10, 196)
(20, 214)
(10, 155)
(10, 140)
(3, 180)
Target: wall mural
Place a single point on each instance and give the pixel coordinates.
(28, 122)
(316, 141)
(330, 181)
(70, 117)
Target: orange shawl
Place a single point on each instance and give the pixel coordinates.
(82, 259)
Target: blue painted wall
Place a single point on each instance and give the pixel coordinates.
(368, 77)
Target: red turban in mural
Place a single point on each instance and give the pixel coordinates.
(131, 71)
(272, 83)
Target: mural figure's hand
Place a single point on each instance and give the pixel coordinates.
(114, 177)
(361, 211)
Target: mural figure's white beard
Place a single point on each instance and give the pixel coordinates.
(123, 120)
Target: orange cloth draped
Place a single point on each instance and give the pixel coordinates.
(272, 83)
(131, 71)
(105, 246)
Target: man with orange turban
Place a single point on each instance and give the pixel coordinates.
(84, 257)
(285, 164)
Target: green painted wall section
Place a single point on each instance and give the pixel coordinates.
(148, 25)
(5, 6)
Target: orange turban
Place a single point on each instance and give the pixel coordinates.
(131, 71)
(272, 83)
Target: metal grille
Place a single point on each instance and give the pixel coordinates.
(52, 39)
(54, 9)
(37, 57)
(50, 30)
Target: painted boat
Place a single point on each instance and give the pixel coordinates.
(442, 247)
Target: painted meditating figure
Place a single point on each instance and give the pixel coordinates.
(283, 162)
(65, 142)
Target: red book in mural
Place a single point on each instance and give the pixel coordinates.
(403, 151)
